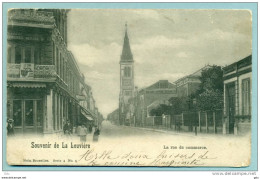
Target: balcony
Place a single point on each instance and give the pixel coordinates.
(31, 17)
(30, 71)
(44, 71)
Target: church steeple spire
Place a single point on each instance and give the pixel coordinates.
(126, 82)
(126, 55)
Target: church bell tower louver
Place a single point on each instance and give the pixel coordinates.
(126, 79)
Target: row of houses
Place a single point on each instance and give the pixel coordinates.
(135, 104)
(45, 87)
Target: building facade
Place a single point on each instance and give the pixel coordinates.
(126, 81)
(189, 84)
(88, 115)
(43, 78)
(238, 97)
(160, 91)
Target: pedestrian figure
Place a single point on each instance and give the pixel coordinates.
(83, 133)
(67, 128)
(10, 128)
(178, 125)
(96, 134)
(195, 130)
(78, 129)
(196, 123)
(90, 128)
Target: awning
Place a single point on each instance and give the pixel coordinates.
(28, 85)
(87, 116)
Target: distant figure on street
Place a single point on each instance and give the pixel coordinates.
(10, 128)
(83, 133)
(78, 129)
(67, 128)
(90, 128)
(178, 125)
(96, 134)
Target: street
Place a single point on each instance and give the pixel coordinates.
(129, 144)
(110, 131)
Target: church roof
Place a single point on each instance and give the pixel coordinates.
(126, 55)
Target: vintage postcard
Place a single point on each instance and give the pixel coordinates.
(128, 87)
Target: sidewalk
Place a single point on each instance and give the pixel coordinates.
(188, 134)
(74, 136)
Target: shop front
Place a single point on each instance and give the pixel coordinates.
(86, 118)
(25, 107)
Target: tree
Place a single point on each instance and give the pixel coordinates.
(210, 94)
(210, 100)
(211, 79)
(178, 104)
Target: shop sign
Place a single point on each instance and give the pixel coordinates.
(27, 70)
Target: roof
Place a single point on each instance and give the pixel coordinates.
(239, 64)
(126, 55)
(195, 74)
(159, 85)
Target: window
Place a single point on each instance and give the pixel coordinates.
(246, 97)
(60, 65)
(18, 55)
(57, 112)
(61, 113)
(26, 52)
(37, 56)
(127, 72)
(163, 85)
(57, 60)
(53, 53)
(128, 93)
(64, 69)
(64, 108)
(17, 112)
(54, 110)
(39, 113)
(28, 55)
(29, 112)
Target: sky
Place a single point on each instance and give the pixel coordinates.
(166, 45)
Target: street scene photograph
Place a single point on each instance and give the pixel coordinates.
(129, 87)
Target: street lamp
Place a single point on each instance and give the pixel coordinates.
(195, 107)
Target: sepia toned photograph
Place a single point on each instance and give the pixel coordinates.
(128, 87)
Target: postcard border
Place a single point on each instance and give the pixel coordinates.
(69, 5)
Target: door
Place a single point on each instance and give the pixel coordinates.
(33, 116)
(39, 116)
(28, 116)
(231, 106)
(17, 115)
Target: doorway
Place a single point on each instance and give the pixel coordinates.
(231, 101)
(28, 116)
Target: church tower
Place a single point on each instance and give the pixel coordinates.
(126, 80)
